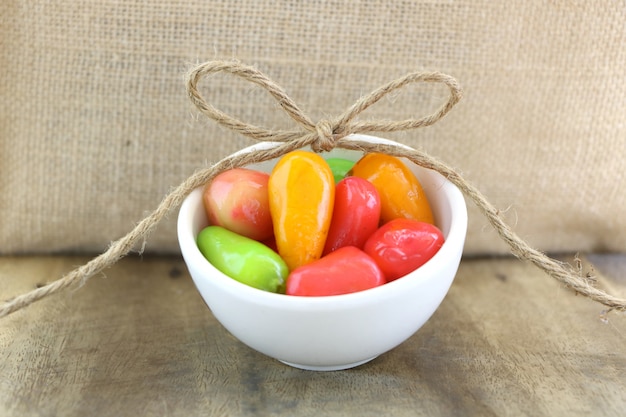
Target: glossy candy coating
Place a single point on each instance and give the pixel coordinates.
(356, 214)
(301, 197)
(401, 246)
(340, 167)
(343, 271)
(243, 259)
(401, 193)
(238, 200)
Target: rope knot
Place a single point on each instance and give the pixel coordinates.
(326, 139)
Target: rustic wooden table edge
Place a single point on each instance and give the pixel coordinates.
(138, 340)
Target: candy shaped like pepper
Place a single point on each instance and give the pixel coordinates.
(356, 214)
(301, 197)
(344, 271)
(243, 259)
(400, 246)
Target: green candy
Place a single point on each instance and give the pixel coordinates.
(243, 259)
(339, 167)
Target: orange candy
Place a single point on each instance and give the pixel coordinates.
(301, 197)
(401, 193)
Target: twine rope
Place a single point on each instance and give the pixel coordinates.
(322, 136)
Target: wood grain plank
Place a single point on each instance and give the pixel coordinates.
(138, 340)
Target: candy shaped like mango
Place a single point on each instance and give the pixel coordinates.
(237, 199)
(301, 197)
(401, 194)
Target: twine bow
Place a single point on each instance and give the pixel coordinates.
(326, 134)
(322, 136)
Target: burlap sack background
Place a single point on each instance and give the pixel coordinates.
(95, 125)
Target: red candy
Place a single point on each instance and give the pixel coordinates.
(355, 215)
(403, 245)
(343, 271)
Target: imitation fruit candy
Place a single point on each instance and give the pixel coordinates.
(356, 214)
(301, 196)
(403, 245)
(339, 167)
(401, 193)
(237, 199)
(346, 270)
(246, 260)
(315, 227)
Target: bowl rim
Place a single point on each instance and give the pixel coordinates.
(449, 250)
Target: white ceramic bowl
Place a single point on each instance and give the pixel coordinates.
(335, 332)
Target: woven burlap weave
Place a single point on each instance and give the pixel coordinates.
(96, 127)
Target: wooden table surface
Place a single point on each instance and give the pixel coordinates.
(139, 341)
